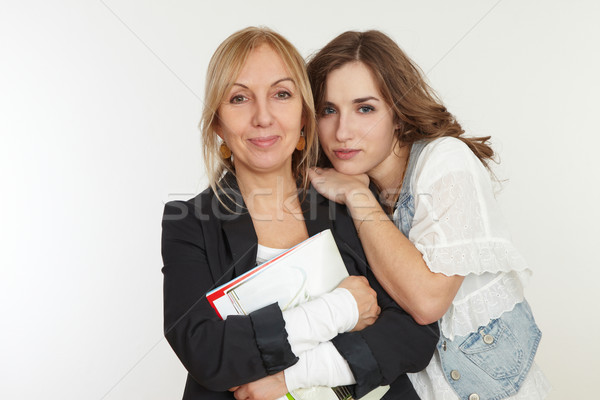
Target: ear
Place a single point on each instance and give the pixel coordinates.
(219, 129)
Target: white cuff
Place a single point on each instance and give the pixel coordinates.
(320, 320)
(321, 366)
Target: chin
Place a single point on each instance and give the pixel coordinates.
(347, 168)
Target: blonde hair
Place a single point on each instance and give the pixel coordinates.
(224, 67)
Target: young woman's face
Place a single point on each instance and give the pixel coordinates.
(261, 117)
(356, 126)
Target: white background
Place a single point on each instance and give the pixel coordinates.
(99, 106)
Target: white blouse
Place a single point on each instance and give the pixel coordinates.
(459, 229)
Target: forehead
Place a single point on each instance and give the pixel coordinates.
(263, 65)
(350, 81)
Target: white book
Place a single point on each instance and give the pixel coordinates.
(304, 272)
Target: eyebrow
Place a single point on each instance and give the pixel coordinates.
(273, 84)
(355, 101)
(364, 99)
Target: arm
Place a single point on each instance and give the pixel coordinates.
(395, 344)
(380, 353)
(351, 306)
(395, 261)
(376, 356)
(218, 354)
(320, 366)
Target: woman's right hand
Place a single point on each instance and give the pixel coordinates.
(339, 187)
(366, 300)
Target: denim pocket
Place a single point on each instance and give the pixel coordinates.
(493, 361)
(495, 349)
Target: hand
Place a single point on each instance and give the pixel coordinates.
(268, 388)
(336, 186)
(366, 300)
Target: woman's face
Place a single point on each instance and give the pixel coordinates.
(261, 117)
(356, 126)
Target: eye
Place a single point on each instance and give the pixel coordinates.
(328, 110)
(238, 99)
(283, 94)
(366, 109)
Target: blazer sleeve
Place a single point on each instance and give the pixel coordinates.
(218, 354)
(394, 345)
(391, 347)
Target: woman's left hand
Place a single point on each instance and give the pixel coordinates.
(268, 388)
(336, 186)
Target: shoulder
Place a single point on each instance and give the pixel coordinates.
(186, 207)
(445, 156)
(186, 216)
(451, 152)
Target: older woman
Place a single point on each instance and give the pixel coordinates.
(258, 129)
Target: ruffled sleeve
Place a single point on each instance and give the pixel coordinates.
(459, 229)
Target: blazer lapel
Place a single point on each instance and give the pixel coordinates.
(315, 209)
(238, 229)
(242, 242)
(321, 214)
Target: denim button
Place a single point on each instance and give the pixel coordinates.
(488, 339)
(454, 374)
(474, 396)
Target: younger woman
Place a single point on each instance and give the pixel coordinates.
(445, 254)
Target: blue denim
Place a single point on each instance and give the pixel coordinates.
(405, 207)
(493, 361)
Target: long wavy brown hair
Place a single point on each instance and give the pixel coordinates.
(418, 111)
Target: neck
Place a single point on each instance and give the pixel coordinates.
(266, 192)
(388, 175)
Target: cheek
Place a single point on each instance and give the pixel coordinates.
(324, 128)
(230, 122)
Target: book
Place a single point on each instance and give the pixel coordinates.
(304, 272)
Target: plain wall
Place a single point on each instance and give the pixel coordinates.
(99, 106)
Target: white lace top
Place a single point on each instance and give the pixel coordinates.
(459, 229)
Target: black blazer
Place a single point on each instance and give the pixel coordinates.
(205, 245)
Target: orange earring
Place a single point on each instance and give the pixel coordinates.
(225, 151)
(301, 142)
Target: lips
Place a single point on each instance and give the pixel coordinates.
(264, 141)
(345, 154)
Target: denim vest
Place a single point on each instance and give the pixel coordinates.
(492, 362)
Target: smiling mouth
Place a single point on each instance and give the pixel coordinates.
(345, 154)
(265, 141)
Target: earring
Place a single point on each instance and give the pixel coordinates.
(301, 142)
(224, 151)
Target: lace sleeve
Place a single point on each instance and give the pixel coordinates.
(457, 224)
(459, 229)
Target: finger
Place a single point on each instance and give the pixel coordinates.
(242, 393)
(233, 389)
(239, 394)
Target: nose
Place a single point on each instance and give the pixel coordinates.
(262, 114)
(343, 132)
